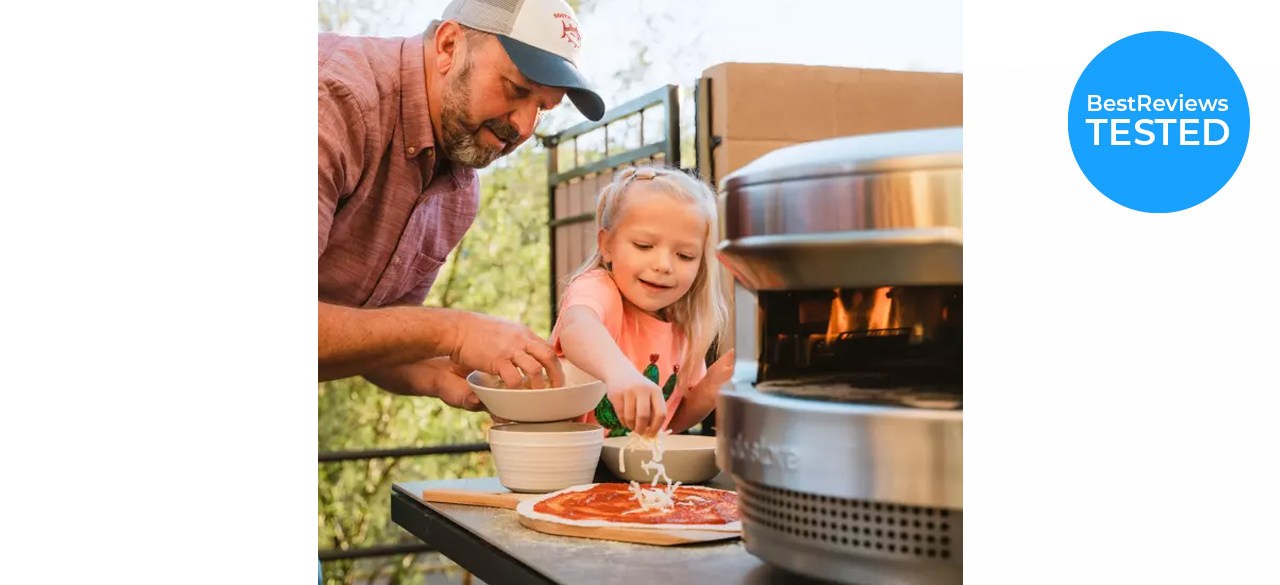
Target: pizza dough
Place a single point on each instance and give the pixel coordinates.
(695, 500)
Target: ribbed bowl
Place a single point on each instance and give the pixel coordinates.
(544, 457)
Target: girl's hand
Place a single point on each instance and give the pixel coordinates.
(718, 374)
(702, 397)
(638, 403)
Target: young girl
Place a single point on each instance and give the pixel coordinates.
(647, 304)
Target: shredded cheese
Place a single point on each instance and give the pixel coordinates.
(654, 497)
(637, 441)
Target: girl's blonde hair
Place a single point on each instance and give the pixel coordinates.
(700, 314)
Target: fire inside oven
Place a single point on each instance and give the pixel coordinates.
(887, 345)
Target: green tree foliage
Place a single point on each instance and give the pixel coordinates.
(362, 17)
(354, 496)
(502, 266)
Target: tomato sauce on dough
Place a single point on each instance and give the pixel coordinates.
(614, 502)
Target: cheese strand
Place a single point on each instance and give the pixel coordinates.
(653, 498)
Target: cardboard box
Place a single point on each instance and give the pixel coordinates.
(732, 155)
(759, 107)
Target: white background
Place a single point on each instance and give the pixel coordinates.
(155, 306)
(1122, 396)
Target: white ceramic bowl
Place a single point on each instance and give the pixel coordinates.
(687, 458)
(545, 457)
(580, 394)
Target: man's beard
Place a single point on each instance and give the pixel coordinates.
(459, 136)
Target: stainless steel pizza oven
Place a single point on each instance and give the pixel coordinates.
(842, 426)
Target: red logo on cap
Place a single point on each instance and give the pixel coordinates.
(569, 30)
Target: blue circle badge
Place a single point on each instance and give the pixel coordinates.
(1158, 122)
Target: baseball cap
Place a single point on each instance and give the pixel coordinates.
(542, 39)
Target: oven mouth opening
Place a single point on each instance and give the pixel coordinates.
(897, 346)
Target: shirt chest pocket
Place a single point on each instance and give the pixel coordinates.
(423, 268)
(426, 266)
(404, 277)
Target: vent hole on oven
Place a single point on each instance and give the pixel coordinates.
(892, 530)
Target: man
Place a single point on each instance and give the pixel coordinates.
(404, 123)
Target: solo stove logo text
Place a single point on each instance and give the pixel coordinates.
(1147, 131)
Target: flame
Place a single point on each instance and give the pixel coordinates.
(839, 320)
(878, 318)
(881, 307)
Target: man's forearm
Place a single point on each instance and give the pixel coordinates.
(393, 379)
(355, 341)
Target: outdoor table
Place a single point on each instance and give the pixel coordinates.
(491, 544)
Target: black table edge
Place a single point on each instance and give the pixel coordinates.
(490, 563)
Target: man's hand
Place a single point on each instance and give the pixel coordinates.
(439, 377)
(505, 349)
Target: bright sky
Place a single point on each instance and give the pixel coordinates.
(685, 37)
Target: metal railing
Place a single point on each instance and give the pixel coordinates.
(336, 456)
(375, 551)
(666, 96)
(393, 549)
(669, 146)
